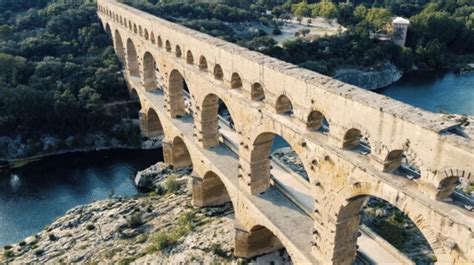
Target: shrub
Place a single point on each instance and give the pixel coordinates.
(90, 227)
(171, 186)
(22, 243)
(39, 252)
(52, 237)
(135, 220)
(8, 254)
(162, 240)
(216, 249)
(7, 247)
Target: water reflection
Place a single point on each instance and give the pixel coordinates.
(35, 195)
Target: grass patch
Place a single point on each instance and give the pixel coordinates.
(171, 185)
(161, 240)
(135, 220)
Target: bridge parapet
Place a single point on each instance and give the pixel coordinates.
(268, 97)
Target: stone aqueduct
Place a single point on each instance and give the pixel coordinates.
(259, 91)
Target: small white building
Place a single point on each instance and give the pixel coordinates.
(399, 30)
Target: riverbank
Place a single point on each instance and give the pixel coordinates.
(10, 164)
(150, 228)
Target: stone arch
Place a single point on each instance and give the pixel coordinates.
(209, 191)
(255, 241)
(176, 102)
(119, 49)
(347, 211)
(180, 154)
(147, 37)
(284, 106)
(189, 57)
(132, 59)
(150, 80)
(260, 160)
(107, 29)
(235, 81)
(125, 23)
(160, 42)
(135, 30)
(140, 31)
(397, 162)
(449, 179)
(178, 52)
(203, 63)
(168, 46)
(316, 121)
(209, 120)
(354, 140)
(218, 73)
(257, 92)
(121, 20)
(153, 126)
(130, 27)
(152, 37)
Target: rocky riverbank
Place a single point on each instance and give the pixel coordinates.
(370, 79)
(159, 227)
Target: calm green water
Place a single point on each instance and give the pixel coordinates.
(33, 196)
(435, 91)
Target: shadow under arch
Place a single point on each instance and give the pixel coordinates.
(391, 216)
(119, 49)
(209, 191)
(263, 152)
(180, 154)
(216, 116)
(256, 241)
(178, 93)
(284, 106)
(132, 59)
(153, 126)
(150, 80)
(108, 30)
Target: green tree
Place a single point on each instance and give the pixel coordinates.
(378, 18)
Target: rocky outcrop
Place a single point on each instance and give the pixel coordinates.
(371, 79)
(147, 229)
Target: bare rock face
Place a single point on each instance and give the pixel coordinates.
(372, 79)
(147, 229)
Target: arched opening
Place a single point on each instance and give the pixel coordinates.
(147, 37)
(178, 51)
(189, 57)
(256, 242)
(153, 127)
(181, 156)
(152, 38)
(121, 20)
(355, 141)
(160, 42)
(218, 73)
(107, 30)
(135, 28)
(202, 63)
(130, 25)
(178, 91)
(399, 164)
(283, 106)
(119, 49)
(168, 46)
(140, 31)
(216, 121)
(236, 81)
(125, 23)
(209, 191)
(257, 93)
(384, 219)
(132, 59)
(150, 80)
(317, 122)
(457, 187)
(272, 157)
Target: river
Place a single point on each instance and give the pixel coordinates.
(33, 196)
(435, 91)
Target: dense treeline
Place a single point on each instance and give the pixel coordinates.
(440, 30)
(57, 68)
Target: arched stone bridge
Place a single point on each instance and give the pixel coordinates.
(324, 120)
